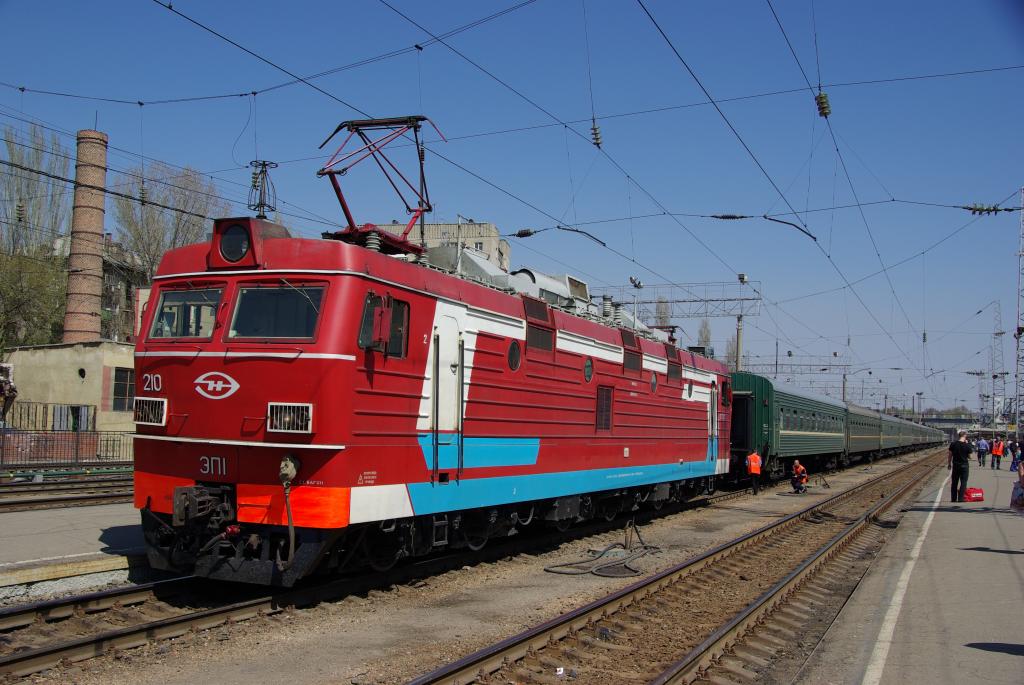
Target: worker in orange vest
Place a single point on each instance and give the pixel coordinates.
(998, 447)
(799, 480)
(754, 471)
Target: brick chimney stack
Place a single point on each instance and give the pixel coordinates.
(85, 259)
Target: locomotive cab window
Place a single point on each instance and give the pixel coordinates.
(186, 313)
(398, 330)
(289, 312)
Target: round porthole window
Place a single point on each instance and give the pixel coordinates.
(234, 243)
(514, 355)
(689, 389)
(654, 382)
(588, 369)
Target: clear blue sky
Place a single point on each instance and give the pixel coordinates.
(952, 140)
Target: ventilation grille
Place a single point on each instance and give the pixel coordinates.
(150, 411)
(289, 418)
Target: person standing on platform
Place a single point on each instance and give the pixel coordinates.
(1014, 454)
(982, 450)
(998, 447)
(754, 471)
(959, 465)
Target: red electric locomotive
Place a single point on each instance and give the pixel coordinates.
(313, 405)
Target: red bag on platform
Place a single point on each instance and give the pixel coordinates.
(974, 495)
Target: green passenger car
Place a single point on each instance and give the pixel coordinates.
(784, 424)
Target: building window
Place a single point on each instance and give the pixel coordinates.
(604, 408)
(479, 245)
(124, 389)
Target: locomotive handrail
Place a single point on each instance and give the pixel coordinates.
(264, 351)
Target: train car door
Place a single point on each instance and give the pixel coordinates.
(742, 432)
(447, 397)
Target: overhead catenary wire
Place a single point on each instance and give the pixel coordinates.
(366, 114)
(307, 216)
(603, 151)
(853, 190)
(909, 258)
(700, 84)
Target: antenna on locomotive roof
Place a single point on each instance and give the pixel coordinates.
(340, 162)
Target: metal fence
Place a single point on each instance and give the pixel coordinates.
(38, 448)
(46, 416)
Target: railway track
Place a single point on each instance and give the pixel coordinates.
(695, 621)
(65, 493)
(44, 635)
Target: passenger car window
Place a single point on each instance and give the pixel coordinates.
(289, 312)
(186, 313)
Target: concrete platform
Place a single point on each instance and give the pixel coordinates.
(50, 543)
(943, 602)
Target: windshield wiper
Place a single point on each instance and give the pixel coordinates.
(304, 294)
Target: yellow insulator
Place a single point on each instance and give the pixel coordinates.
(824, 108)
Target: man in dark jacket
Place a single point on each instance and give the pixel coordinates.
(959, 465)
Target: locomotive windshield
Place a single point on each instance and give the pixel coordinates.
(277, 312)
(186, 314)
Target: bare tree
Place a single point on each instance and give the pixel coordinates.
(704, 334)
(34, 208)
(34, 211)
(730, 352)
(148, 231)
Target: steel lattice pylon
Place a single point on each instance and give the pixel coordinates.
(996, 366)
(1018, 375)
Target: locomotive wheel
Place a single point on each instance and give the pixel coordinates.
(562, 525)
(382, 550)
(476, 531)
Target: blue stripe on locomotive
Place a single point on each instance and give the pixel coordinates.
(492, 452)
(479, 452)
(470, 493)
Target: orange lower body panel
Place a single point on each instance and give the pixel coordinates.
(157, 491)
(312, 507)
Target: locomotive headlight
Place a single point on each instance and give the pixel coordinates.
(234, 242)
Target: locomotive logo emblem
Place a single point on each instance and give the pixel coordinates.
(215, 385)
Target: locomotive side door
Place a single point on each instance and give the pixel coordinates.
(713, 422)
(447, 397)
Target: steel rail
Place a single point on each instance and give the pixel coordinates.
(47, 656)
(26, 614)
(66, 485)
(479, 665)
(694, 665)
(69, 500)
